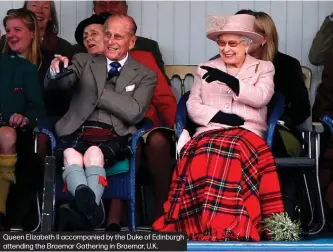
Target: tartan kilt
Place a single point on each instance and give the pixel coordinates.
(224, 184)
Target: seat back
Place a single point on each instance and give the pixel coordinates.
(181, 72)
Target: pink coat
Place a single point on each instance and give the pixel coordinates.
(256, 88)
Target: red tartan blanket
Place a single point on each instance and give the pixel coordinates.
(225, 183)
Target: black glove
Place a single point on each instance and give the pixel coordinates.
(214, 74)
(63, 71)
(228, 119)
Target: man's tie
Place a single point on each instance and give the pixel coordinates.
(114, 66)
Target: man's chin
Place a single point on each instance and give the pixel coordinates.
(112, 56)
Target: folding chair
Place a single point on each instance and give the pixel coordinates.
(309, 163)
(121, 183)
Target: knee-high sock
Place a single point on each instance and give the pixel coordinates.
(96, 178)
(7, 176)
(74, 176)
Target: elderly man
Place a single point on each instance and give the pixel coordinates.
(157, 143)
(112, 94)
(121, 7)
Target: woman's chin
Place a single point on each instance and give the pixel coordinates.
(15, 49)
(229, 60)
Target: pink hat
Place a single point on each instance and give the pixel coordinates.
(240, 24)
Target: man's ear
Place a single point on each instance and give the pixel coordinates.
(132, 42)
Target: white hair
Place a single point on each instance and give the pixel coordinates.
(247, 40)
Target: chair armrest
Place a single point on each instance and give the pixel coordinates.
(318, 127)
(327, 121)
(181, 114)
(306, 126)
(46, 126)
(145, 125)
(276, 111)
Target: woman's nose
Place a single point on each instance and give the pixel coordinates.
(38, 9)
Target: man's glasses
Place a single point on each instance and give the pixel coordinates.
(230, 43)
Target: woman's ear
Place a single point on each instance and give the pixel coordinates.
(264, 42)
(247, 49)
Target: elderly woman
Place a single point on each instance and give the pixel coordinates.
(225, 183)
(20, 105)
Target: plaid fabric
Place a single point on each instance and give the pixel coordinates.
(225, 183)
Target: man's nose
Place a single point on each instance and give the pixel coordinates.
(108, 8)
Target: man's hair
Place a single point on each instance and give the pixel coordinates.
(133, 27)
(245, 11)
(94, 3)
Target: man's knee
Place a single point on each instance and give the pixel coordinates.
(8, 138)
(93, 156)
(71, 156)
(157, 140)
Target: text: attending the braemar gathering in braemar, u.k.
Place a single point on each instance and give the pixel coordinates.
(93, 241)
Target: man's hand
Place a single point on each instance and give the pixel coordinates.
(17, 120)
(56, 62)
